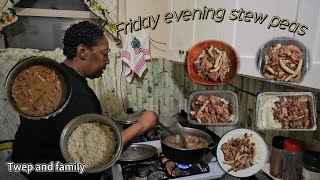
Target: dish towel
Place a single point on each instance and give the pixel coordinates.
(135, 52)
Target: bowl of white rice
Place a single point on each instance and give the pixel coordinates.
(92, 140)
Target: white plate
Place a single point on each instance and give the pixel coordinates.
(252, 169)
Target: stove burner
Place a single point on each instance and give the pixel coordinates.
(142, 172)
(183, 166)
(149, 169)
(148, 136)
(174, 170)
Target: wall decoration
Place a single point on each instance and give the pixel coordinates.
(7, 13)
(106, 10)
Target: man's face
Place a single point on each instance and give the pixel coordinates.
(97, 59)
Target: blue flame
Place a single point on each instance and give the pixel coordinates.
(183, 166)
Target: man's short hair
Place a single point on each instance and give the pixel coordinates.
(85, 33)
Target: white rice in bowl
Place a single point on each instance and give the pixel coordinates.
(92, 144)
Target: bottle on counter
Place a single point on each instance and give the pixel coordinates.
(292, 160)
(311, 165)
(276, 159)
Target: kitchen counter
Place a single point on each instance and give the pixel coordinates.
(215, 169)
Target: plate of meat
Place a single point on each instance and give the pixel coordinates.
(283, 60)
(212, 63)
(286, 111)
(213, 108)
(242, 153)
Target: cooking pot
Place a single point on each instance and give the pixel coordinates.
(187, 156)
(26, 63)
(137, 152)
(90, 118)
(127, 117)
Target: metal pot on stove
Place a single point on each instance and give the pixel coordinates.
(185, 155)
(129, 117)
(126, 118)
(137, 153)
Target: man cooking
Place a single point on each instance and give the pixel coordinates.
(86, 49)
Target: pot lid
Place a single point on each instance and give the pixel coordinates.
(138, 152)
(127, 117)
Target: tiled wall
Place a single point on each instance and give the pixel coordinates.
(166, 86)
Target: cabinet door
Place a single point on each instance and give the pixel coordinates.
(309, 13)
(249, 36)
(216, 26)
(181, 36)
(145, 8)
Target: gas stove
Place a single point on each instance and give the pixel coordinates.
(182, 121)
(159, 167)
(148, 169)
(149, 136)
(175, 170)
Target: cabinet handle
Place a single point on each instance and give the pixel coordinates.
(181, 51)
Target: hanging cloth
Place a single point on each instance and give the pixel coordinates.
(135, 52)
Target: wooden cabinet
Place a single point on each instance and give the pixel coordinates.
(216, 26)
(181, 36)
(308, 12)
(145, 8)
(247, 37)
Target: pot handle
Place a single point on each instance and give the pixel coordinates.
(211, 153)
(212, 148)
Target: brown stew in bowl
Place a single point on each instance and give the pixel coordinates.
(193, 142)
(38, 90)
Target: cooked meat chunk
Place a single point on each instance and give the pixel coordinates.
(284, 63)
(193, 142)
(212, 64)
(211, 109)
(38, 90)
(239, 152)
(292, 112)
